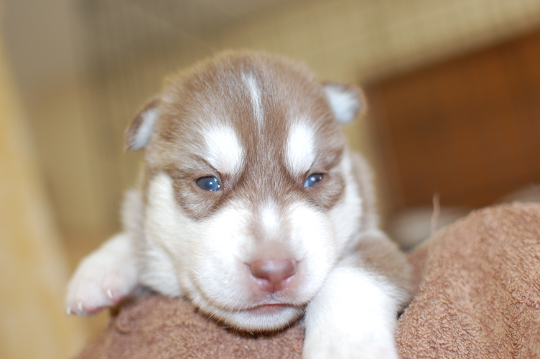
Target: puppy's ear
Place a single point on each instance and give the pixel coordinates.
(140, 130)
(346, 101)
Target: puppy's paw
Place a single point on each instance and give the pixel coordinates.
(338, 344)
(353, 316)
(103, 278)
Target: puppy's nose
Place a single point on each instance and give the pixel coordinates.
(273, 272)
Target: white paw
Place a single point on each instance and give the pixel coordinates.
(332, 344)
(353, 316)
(103, 278)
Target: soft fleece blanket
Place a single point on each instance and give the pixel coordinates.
(477, 296)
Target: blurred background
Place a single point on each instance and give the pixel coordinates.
(454, 111)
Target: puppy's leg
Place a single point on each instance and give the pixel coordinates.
(104, 277)
(355, 313)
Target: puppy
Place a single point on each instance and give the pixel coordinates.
(251, 205)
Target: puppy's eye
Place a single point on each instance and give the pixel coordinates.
(311, 180)
(209, 183)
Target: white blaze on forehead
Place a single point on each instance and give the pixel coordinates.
(223, 149)
(255, 95)
(300, 148)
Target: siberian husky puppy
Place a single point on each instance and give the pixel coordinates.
(251, 205)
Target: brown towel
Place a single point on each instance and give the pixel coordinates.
(478, 296)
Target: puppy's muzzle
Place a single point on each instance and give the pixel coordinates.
(272, 274)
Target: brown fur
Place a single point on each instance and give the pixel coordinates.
(210, 91)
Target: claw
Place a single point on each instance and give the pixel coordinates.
(68, 311)
(109, 294)
(80, 307)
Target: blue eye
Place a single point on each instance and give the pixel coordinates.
(311, 180)
(209, 183)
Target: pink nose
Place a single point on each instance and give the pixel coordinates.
(272, 273)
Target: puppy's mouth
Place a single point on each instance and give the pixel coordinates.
(269, 308)
(272, 306)
(268, 315)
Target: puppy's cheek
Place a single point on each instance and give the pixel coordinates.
(227, 286)
(222, 280)
(218, 270)
(166, 231)
(313, 237)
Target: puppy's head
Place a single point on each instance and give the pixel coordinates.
(249, 192)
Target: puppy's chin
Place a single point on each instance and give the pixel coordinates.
(263, 318)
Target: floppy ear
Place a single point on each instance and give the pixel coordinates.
(346, 101)
(140, 130)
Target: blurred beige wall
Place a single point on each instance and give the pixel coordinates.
(33, 267)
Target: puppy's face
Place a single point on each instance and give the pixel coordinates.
(249, 193)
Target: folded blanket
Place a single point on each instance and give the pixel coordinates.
(478, 296)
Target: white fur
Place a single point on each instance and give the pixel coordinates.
(300, 148)
(163, 230)
(270, 217)
(255, 95)
(104, 277)
(144, 131)
(350, 207)
(360, 322)
(344, 103)
(315, 232)
(223, 149)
